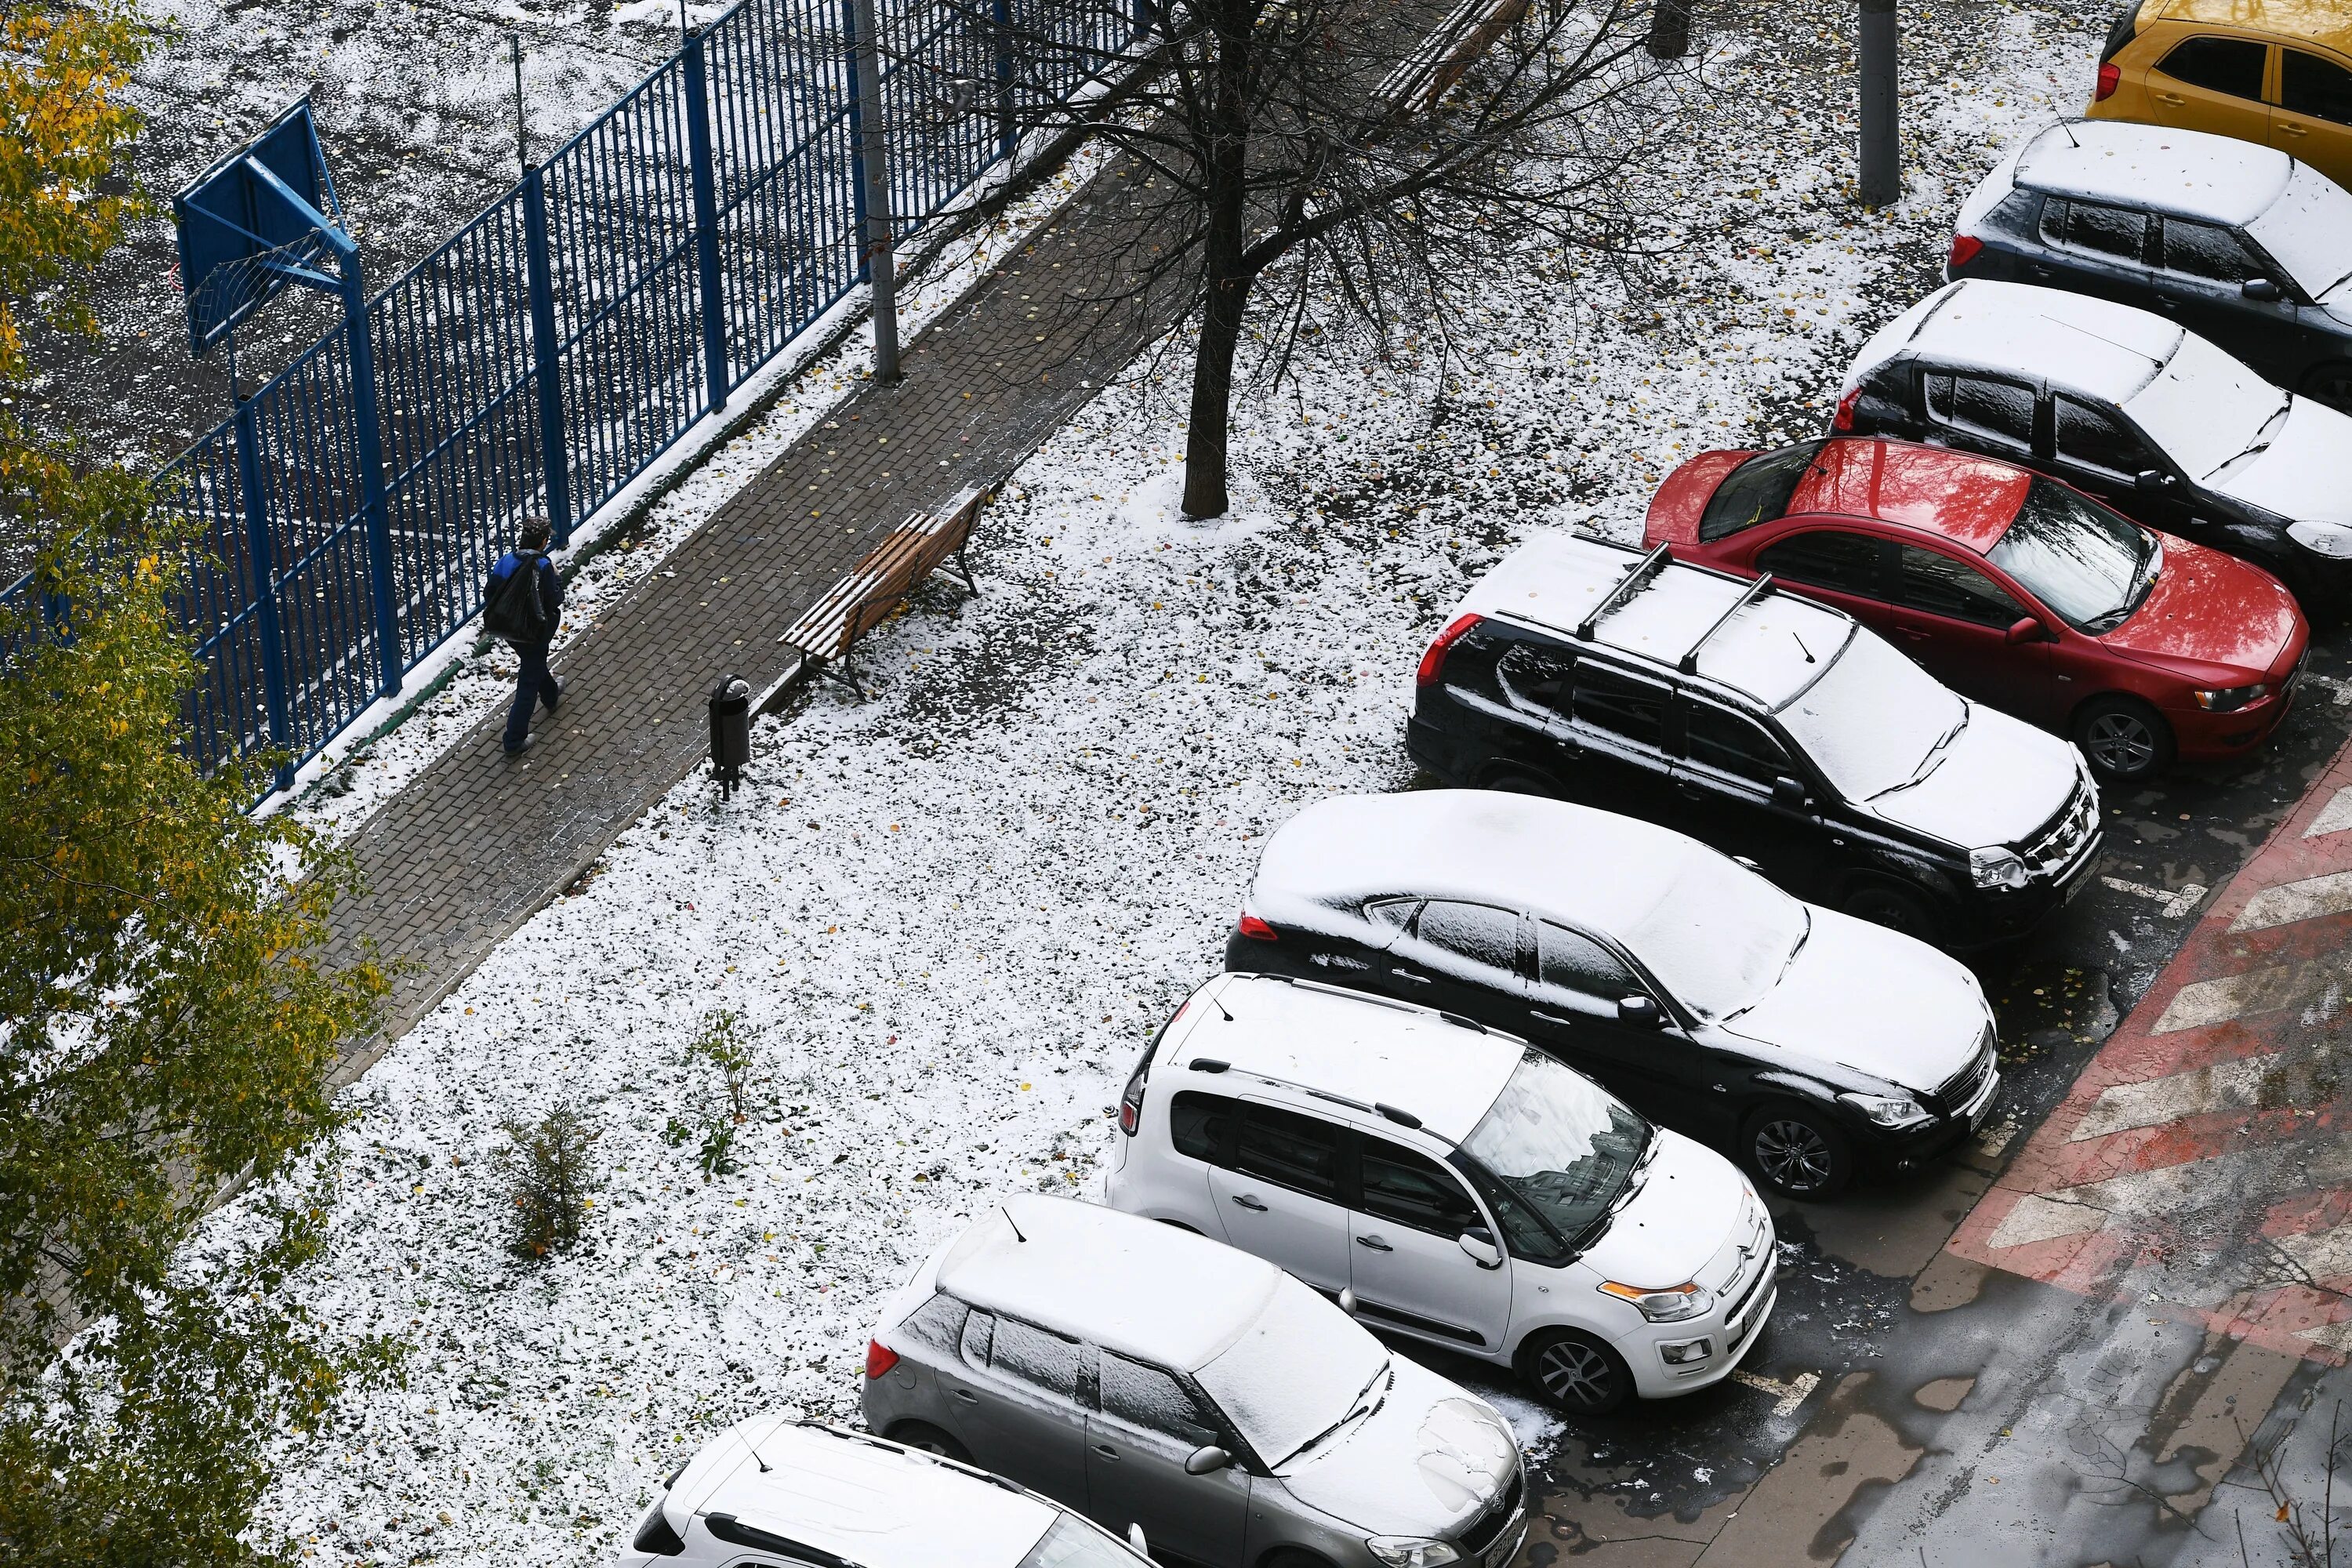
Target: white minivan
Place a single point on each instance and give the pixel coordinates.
(1450, 1184)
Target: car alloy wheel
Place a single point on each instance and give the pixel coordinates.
(1578, 1375)
(2121, 743)
(1793, 1155)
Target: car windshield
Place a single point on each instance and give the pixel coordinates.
(1872, 720)
(1071, 1543)
(2205, 408)
(1758, 490)
(1560, 1144)
(1296, 1372)
(2090, 567)
(1720, 936)
(2308, 231)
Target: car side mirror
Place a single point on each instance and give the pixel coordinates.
(1640, 1011)
(1206, 1461)
(2024, 631)
(1347, 1301)
(1479, 1243)
(1744, 860)
(2153, 481)
(2263, 290)
(1790, 793)
(1135, 1539)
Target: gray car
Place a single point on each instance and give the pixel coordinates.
(1146, 1375)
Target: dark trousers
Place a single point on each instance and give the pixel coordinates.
(532, 685)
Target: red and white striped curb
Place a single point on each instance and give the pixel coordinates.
(2202, 1160)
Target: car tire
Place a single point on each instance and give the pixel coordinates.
(2127, 740)
(1523, 783)
(1797, 1151)
(1575, 1373)
(1896, 908)
(930, 1440)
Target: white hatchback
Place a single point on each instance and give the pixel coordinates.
(773, 1490)
(1449, 1184)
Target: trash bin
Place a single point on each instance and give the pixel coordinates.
(731, 732)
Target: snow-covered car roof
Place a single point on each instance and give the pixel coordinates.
(2217, 179)
(1364, 1048)
(1132, 1285)
(1555, 580)
(2094, 347)
(870, 1502)
(1592, 868)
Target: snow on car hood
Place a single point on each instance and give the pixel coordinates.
(1691, 1201)
(1428, 1459)
(2305, 475)
(1873, 1000)
(1998, 780)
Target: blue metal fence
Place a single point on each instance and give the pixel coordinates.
(347, 515)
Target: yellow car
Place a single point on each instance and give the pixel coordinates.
(2273, 72)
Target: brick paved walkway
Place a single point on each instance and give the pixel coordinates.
(476, 845)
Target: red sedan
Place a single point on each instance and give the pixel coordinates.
(2011, 588)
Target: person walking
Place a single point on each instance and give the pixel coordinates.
(523, 603)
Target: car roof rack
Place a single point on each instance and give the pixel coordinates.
(1688, 663)
(1633, 582)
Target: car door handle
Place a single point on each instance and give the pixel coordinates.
(1107, 1451)
(1243, 1200)
(2294, 130)
(2173, 99)
(1375, 1243)
(1550, 1017)
(966, 1395)
(1409, 974)
(1915, 633)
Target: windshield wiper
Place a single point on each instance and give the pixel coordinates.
(2261, 443)
(1599, 1225)
(1363, 1404)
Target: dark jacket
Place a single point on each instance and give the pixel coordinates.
(551, 586)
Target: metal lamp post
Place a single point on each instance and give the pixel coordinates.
(1882, 137)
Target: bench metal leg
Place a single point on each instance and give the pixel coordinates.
(839, 669)
(963, 569)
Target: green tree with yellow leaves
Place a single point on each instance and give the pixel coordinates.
(166, 1024)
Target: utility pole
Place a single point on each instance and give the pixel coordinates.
(1881, 183)
(881, 265)
(522, 135)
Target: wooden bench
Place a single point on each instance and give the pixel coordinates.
(857, 603)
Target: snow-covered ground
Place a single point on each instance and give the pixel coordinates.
(950, 916)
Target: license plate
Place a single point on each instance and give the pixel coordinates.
(2081, 882)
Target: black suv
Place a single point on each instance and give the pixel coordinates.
(1776, 729)
(2239, 243)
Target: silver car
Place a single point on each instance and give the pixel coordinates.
(1150, 1377)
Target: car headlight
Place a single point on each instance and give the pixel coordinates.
(2331, 539)
(1887, 1110)
(1671, 1305)
(1996, 867)
(1413, 1550)
(2230, 700)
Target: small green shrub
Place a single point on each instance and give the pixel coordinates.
(548, 1177)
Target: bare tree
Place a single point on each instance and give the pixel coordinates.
(1295, 160)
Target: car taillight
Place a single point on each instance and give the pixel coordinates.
(1964, 249)
(880, 1358)
(2111, 77)
(1433, 663)
(1257, 929)
(1844, 420)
